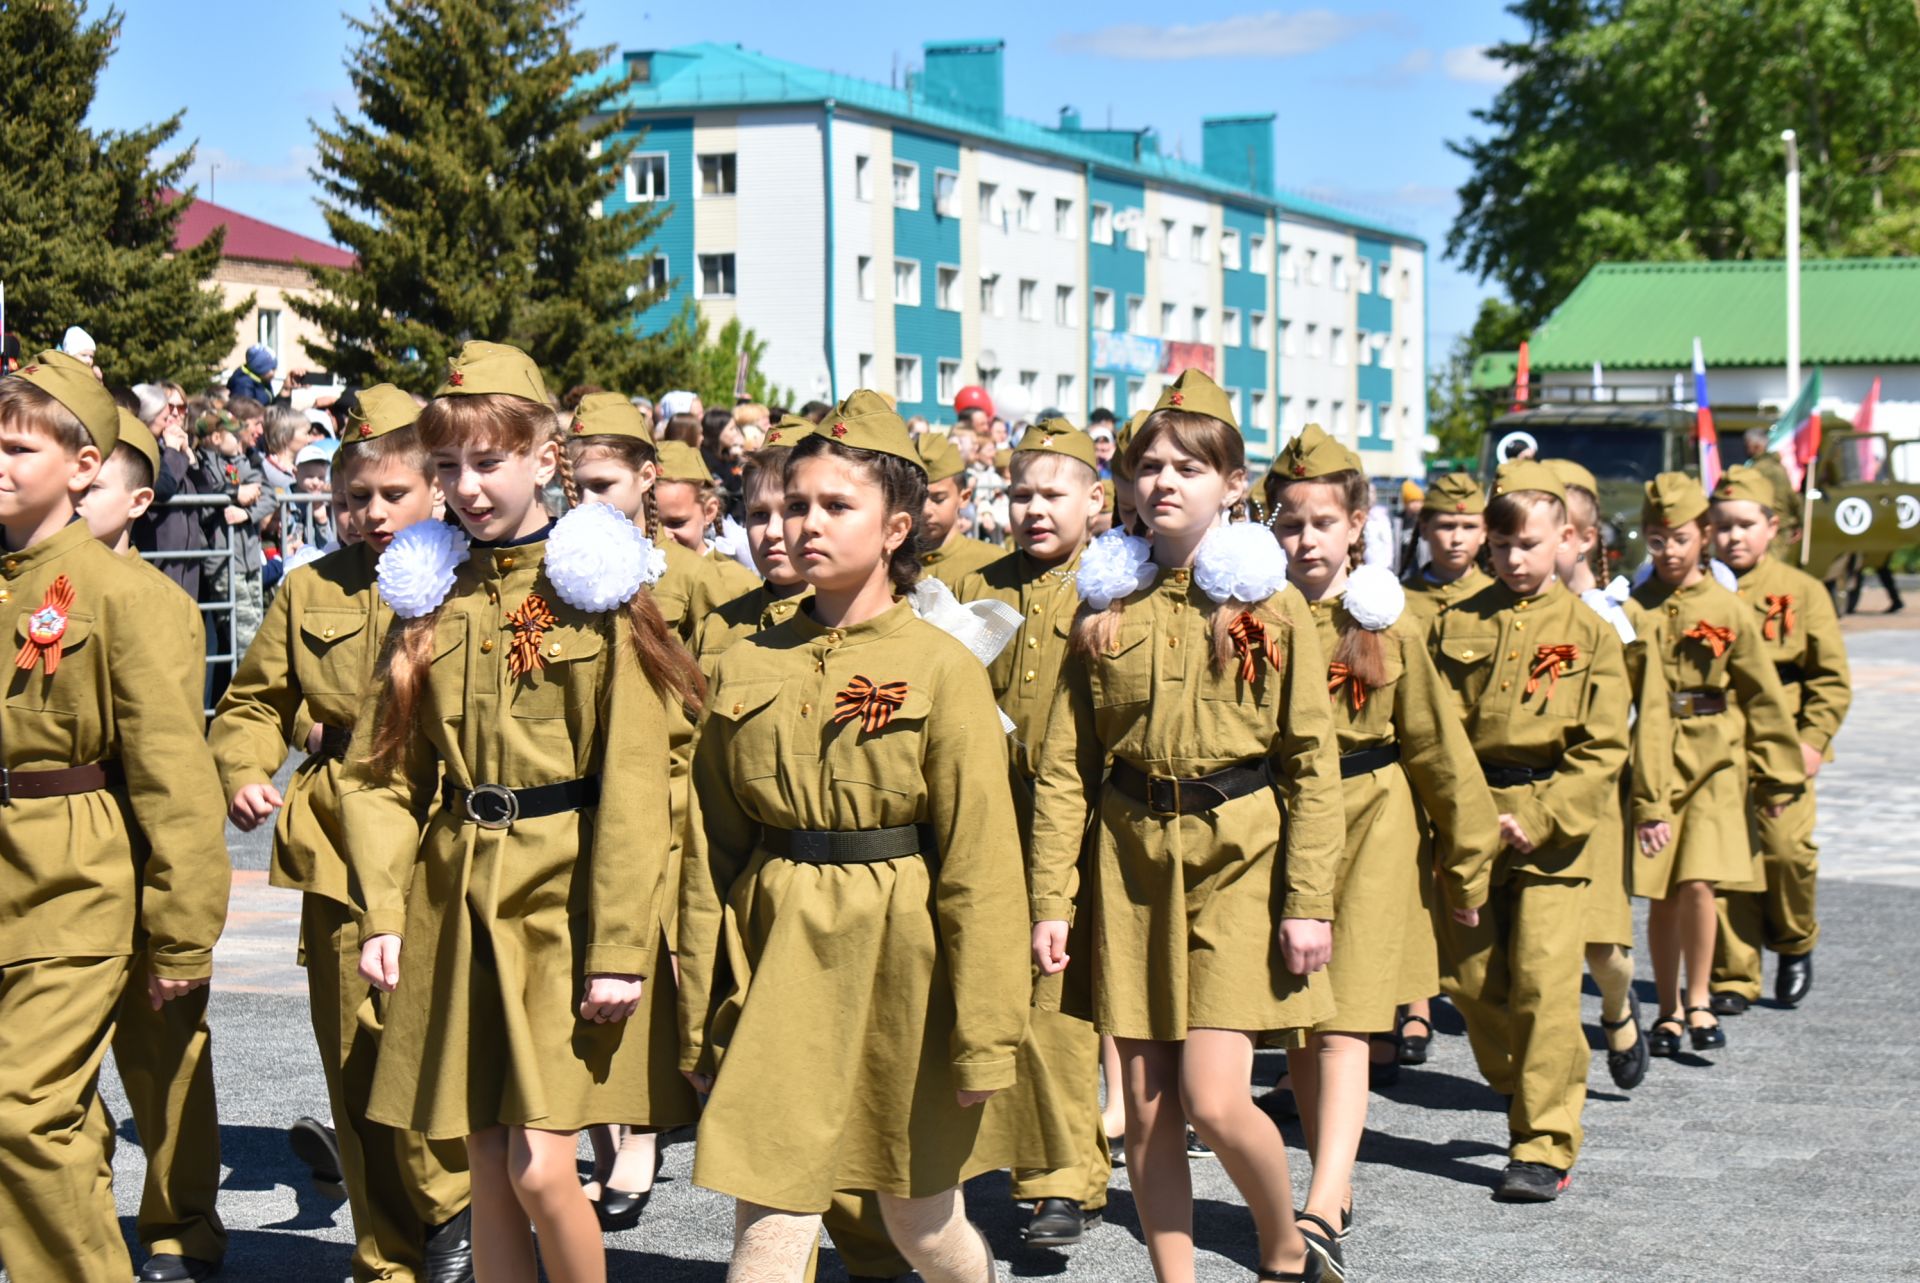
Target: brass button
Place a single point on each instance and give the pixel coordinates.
(739, 709)
(1032, 642)
(1029, 674)
(4, 594)
(508, 562)
(486, 646)
(493, 595)
(554, 649)
(1466, 654)
(1513, 654)
(806, 710)
(1173, 643)
(833, 634)
(327, 633)
(1504, 685)
(1519, 625)
(12, 564)
(1035, 610)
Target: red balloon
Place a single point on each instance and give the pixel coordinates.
(972, 397)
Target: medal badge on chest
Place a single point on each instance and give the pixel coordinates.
(46, 627)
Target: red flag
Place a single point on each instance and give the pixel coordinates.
(1520, 378)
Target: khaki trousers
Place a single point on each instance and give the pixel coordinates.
(1782, 916)
(1059, 1063)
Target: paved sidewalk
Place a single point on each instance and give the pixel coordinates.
(1790, 1156)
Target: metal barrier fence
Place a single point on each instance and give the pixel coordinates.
(223, 614)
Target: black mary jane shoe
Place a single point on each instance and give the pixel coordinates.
(619, 1209)
(1705, 1037)
(1323, 1245)
(1413, 1047)
(1661, 1042)
(1312, 1272)
(1728, 1004)
(1058, 1222)
(1628, 1068)
(166, 1267)
(1794, 979)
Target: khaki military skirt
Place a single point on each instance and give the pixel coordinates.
(1609, 911)
(1383, 942)
(1710, 842)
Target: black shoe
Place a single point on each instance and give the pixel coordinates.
(1313, 1272)
(1705, 1037)
(876, 1278)
(1323, 1245)
(1413, 1047)
(168, 1268)
(1664, 1038)
(1728, 1004)
(1532, 1183)
(1794, 979)
(1381, 1075)
(1058, 1222)
(449, 1256)
(1279, 1104)
(314, 1144)
(1629, 1067)
(619, 1209)
(1197, 1148)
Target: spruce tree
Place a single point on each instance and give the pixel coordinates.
(469, 182)
(86, 234)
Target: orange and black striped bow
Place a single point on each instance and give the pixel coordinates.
(530, 624)
(1716, 637)
(1339, 675)
(45, 627)
(873, 705)
(1250, 642)
(1778, 608)
(1549, 662)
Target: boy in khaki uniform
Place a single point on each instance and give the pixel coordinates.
(1453, 524)
(1542, 685)
(95, 724)
(300, 683)
(947, 553)
(1055, 496)
(165, 1057)
(1802, 637)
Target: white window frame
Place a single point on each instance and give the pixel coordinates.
(1341, 281)
(947, 206)
(1170, 238)
(1103, 391)
(863, 177)
(734, 267)
(906, 377)
(1202, 323)
(1136, 314)
(1063, 309)
(1287, 340)
(1027, 299)
(912, 290)
(1337, 345)
(1289, 267)
(1101, 223)
(1170, 321)
(1137, 235)
(1023, 210)
(634, 165)
(1362, 274)
(987, 199)
(947, 380)
(1406, 353)
(1257, 254)
(1257, 410)
(1030, 384)
(1064, 225)
(1230, 327)
(1315, 350)
(1136, 393)
(659, 273)
(1198, 243)
(1102, 309)
(911, 172)
(1314, 276)
(863, 277)
(700, 171)
(1360, 350)
(1230, 249)
(946, 291)
(1063, 394)
(990, 299)
(863, 370)
(1257, 331)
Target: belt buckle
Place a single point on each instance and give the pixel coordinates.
(492, 806)
(6, 786)
(1155, 783)
(1683, 703)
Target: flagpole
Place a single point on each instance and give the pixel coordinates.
(1793, 260)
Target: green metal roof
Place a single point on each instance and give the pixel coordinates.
(718, 77)
(1853, 311)
(1494, 370)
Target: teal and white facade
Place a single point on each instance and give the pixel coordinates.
(918, 239)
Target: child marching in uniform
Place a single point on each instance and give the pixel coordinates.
(1731, 736)
(532, 995)
(1054, 1105)
(1194, 667)
(1400, 741)
(687, 505)
(949, 553)
(301, 684)
(853, 986)
(782, 587)
(99, 733)
(1541, 683)
(165, 1057)
(1802, 637)
(1453, 525)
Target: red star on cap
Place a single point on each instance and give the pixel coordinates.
(1045, 442)
(1460, 507)
(1178, 398)
(31, 369)
(578, 427)
(1299, 469)
(455, 378)
(773, 437)
(839, 429)
(366, 429)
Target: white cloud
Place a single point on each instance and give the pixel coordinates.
(1272, 34)
(1470, 65)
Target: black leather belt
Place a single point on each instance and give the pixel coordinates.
(1697, 703)
(494, 806)
(850, 846)
(334, 741)
(1367, 760)
(1165, 796)
(1790, 674)
(65, 781)
(1502, 776)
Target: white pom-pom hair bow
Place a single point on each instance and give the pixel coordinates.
(1115, 565)
(1240, 562)
(597, 559)
(1373, 597)
(416, 571)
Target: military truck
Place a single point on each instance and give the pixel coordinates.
(1865, 502)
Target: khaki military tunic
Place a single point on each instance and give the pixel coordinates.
(1642, 799)
(1712, 755)
(961, 556)
(73, 882)
(1384, 951)
(727, 578)
(1788, 502)
(501, 927)
(752, 612)
(843, 1005)
(1428, 598)
(1186, 909)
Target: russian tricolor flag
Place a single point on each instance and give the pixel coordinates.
(1703, 430)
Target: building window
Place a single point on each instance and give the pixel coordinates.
(1063, 393)
(1286, 416)
(647, 177)
(1287, 271)
(1169, 238)
(1103, 309)
(1257, 254)
(1406, 354)
(1102, 224)
(1286, 337)
(1363, 281)
(716, 276)
(1199, 244)
(1023, 212)
(1063, 306)
(1103, 390)
(1339, 272)
(1230, 327)
(1135, 305)
(946, 193)
(1406, 284)
(990, 294)
(863, 179)
(1257, 331)
(906, 378)
(1029, 384)
(1313, 410)
(906, 186)
(658, 277)
(1169, 320)
(990, 203)
(267, 330)
(1339, 416)
(1230, 250)
(717, 174)
(1063, 225)
(1313, 268)
(865, 370)
(1201, 330)
(1360, 348)
(949, 381)
(906, 281)
(863, 275)
(1314, 350)
(1136, 228)
(1337, 339)
(946, 291)
(1030, 300)
(1136, 392)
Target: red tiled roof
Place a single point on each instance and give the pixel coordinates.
(251, 238)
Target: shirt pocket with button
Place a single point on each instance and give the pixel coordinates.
(1563, 697)
(753, 744)
(68, 691)
(447, 669)
(861, 764)
(1466, 663)
(1122, 674)
(328, 661)
(564, 683)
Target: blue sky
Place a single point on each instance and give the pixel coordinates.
(1366, 94)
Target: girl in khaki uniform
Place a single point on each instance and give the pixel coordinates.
(782, 587)
(531, 996)
(1732, 725)
(1802, 637)
(1400, 740)
(1195, 669)
(302, 682)
(853, 982)
(1453, 524)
